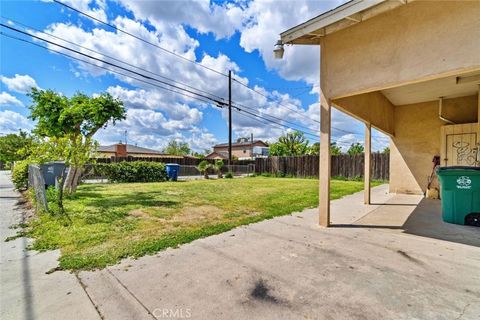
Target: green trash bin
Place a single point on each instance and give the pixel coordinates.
(460, 193)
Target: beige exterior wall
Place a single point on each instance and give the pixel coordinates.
(237, 151)
(417, 140)
(371, 108)
(390, 49)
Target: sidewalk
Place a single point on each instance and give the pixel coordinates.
(26, 291)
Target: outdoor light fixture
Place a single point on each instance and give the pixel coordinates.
(278, 50)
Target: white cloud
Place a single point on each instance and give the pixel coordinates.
(259, 21)
(7, 99)
(267, 19)
(19, 83)
(205, 16)
(94, 8)
(172, 105)
(179, 116)
(11, 122)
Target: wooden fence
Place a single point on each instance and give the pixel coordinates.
(185, 161)
(302, 166)
(307, 166)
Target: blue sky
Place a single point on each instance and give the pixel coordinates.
(221, 35)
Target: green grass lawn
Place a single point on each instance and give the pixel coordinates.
(114, 221)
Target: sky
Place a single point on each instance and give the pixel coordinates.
(221, 36)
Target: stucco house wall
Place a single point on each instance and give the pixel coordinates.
(417, 139)
(240, 151)
(390, 49)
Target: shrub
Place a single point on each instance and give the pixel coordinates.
(203, 167)
(228, 175)
(20, 174)
(138, 171)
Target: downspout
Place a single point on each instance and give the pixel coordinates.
(440, 113)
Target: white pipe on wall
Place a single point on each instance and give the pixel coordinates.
(440, 114)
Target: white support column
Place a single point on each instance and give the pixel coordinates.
(325, 161)
(368, 162)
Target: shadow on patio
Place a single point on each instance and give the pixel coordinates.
(415, 215)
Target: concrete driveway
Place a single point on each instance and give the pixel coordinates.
(375, 264)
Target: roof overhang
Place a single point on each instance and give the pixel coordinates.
(341, 17)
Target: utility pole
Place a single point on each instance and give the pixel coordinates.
(229, 119)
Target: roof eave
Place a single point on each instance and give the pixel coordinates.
(342, 17)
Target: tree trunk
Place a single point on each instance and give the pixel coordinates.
(60, 192)
(68, 180)
(76, 179)
(72, 179)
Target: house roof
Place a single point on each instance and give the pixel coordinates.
(343, 16)
(217, 154)
(239, 144)
(130, 149)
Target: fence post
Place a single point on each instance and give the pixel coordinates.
(38, 183)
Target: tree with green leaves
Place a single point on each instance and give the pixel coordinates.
(314, 149)
(355, 148)
(177, 148)
(73, 121)
(217, 166)
(203, 167)
(335, 150)
(15, 146)
(386, 150)
(291, 144)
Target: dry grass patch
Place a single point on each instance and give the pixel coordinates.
(114, 221)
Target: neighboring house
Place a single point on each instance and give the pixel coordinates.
(243, 149)
(217, 156)
(128, 150)
(410, 69)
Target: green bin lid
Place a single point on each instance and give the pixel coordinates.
(457, 168)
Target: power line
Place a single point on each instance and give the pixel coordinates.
(292, 88)
(206, 100)
(262, 120)
(168, 51)
(301, 93)
(267, 97)
(159, 47)
(177, 55)
(142, 75)
(138, 38)
(140, 68)
(105, 68)
(277, 118)
(106, 62)
(258, 116)
(110, 57)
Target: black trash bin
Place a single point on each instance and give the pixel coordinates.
(52, 171)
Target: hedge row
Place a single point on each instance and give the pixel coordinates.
(20, 174)
(139, 171)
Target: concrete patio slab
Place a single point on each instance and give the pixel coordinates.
(290, 268)
(394, 259)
